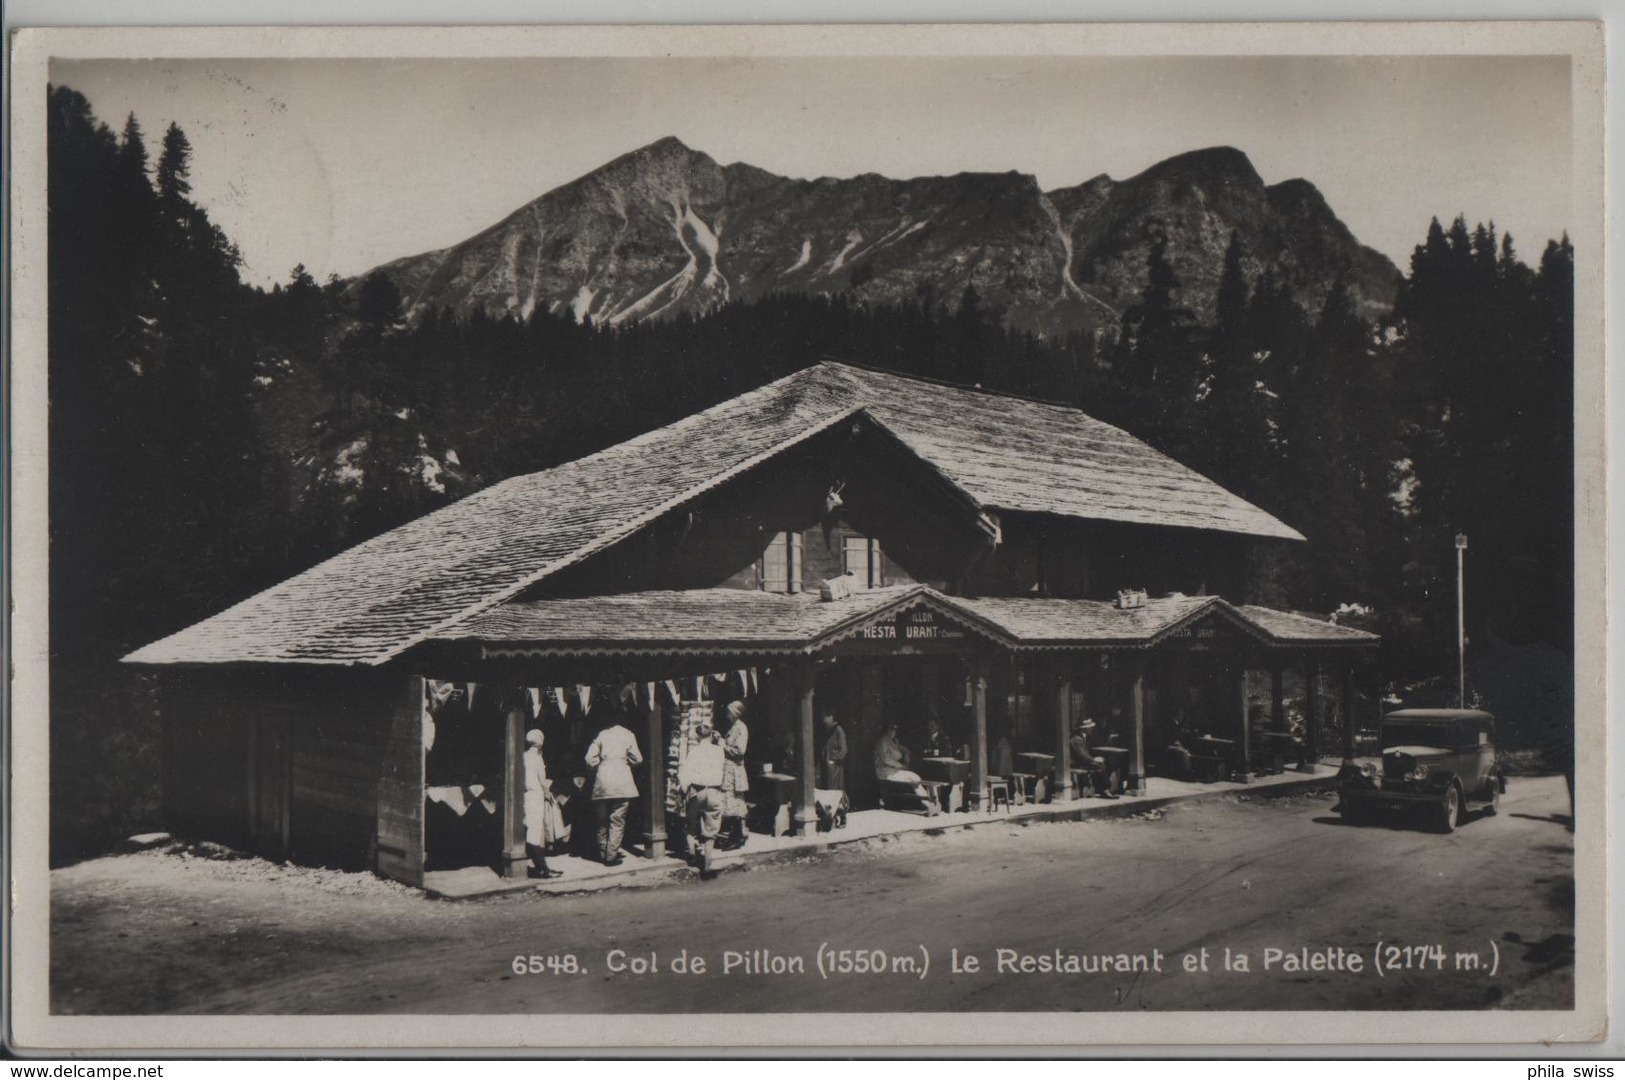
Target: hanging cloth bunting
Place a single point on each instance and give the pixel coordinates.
(744, 682)
(560, 702)
(699, 688)
(440, 692)
(629, 695)
(535, 696)
(755, 683)
(676, 695)
(649, 691)
(584, 696)
(470, 698)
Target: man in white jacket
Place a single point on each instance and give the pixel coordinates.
(612, 755)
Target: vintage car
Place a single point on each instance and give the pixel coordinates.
(1438, 761)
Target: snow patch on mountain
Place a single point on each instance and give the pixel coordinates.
(853, 239)
(581, 306)
(801, 260)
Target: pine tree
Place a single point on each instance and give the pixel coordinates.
(174, 165)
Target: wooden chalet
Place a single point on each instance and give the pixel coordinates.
(891, 547)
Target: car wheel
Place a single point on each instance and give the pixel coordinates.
(1450, 810)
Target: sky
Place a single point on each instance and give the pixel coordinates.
(345, 164)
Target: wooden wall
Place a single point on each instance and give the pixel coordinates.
(717, 541)
(309, 765)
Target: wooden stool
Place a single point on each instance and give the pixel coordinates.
(1018, 783)
(998, 788)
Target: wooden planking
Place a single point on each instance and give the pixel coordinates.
(307, 760)
(361, 804)
(399, 804)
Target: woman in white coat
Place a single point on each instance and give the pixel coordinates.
(543, 822)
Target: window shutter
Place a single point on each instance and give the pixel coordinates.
(794, 567)
(877, 576)
(775, 564)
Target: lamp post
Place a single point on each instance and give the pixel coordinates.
(1461, 621)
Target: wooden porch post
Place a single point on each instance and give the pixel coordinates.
(1350, 726)
(1063, 733)
(1311, 710)
(654, 831)
(978, 732)
(514, 860)
(1246, 741)
(805, 821)
(1134, 783)
(1278, 699)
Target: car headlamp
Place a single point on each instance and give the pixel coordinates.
(1419, 772)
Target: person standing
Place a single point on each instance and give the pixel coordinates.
(543, 822)
(833, 756)
(612, 755)
(699, 775)
(735, 776)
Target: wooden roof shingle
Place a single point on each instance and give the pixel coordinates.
(742, 620)
(378, 599)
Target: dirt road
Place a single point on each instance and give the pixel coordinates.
(152, 933)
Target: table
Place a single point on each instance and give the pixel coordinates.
(1116, 759)
(1036, 767)
(1211, 757)
(944, 769)
(1272, 750)
(775, 792)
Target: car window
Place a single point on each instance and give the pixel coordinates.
(1406, 733)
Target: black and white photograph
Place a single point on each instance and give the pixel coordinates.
(876, 535)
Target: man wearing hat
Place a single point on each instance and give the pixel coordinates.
(1084, 759)
(699, 775)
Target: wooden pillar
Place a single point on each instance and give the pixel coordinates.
(805, 821)
(978, 731)
(514, 860)
(1245, 743)
(1134, 783)
(1350, 724)
(1278, 699)
(654, 828)
(1311, 711)
(1063, 732)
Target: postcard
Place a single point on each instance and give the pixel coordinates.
(641, 538)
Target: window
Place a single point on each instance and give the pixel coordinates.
(781, 563)
(860, 557)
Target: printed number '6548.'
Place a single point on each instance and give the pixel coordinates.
(561, 964)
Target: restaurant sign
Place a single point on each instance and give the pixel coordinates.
(914, 625)
(1202, 635)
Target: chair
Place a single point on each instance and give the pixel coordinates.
(998, 789)
(1018, 783)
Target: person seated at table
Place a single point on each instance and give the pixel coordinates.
(1177, 759)
(1084, 759)
(892, 762)
(936, 742)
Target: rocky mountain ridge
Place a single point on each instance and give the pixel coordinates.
(665, 230)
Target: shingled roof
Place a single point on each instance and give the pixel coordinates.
(374, 601)
(716, 621)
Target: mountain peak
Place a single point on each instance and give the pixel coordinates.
(1213, 164)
